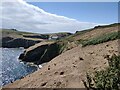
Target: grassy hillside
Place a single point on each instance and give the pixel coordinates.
(101, 39)
(16, 34)
(96, 35)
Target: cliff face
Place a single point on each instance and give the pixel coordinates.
(9, 42)
(13, 39)
(40, 53)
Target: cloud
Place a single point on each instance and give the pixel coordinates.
(27, 17)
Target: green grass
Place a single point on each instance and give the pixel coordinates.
(101, 39)
(85, 42)
(96, 27)
(11, 31)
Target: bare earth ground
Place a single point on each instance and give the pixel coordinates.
(68, 69)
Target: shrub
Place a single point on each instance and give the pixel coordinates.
(108, 79)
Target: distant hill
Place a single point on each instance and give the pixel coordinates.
(11, 38)
(15, 34)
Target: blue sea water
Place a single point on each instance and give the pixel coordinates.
(11, 68)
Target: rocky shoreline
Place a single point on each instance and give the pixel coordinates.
(37, 52)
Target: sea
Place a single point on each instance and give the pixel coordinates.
(11, 69)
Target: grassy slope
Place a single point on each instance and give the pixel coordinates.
(16, 34)
(100, 34)
(96, 35)
(101, 39)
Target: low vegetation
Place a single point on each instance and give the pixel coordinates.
(108, 79)
(13, 31)
(101, 39)
(65, 43)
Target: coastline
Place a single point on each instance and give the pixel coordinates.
(68, 60)
(67, 68)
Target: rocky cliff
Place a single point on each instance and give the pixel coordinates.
(13, 39)
(9, 42)
(40, 53)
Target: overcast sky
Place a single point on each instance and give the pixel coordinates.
(37, 17)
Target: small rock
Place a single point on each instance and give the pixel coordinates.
(55, 72)
(58, 83)
(74, 66)
(107, 45)
(48, 68)
(61, 73)
(81, 58)
(54, 64)
(106, 56)
(105, 62)
(43, 84)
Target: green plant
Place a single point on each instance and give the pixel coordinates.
(101, 39)
(108, 79)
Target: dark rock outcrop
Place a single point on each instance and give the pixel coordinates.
(41, 53)
(8, 42)
(4, 40)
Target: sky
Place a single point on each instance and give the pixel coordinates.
(52, 17)
(97, 12)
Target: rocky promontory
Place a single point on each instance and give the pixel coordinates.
(9, 42)
(12, 38)
(40, 53)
